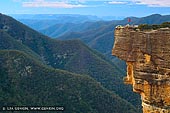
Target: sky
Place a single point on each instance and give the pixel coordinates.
(137, 8)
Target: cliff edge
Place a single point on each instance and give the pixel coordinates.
(147, 54)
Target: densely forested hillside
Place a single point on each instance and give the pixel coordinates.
(100, 38)
(71, 55)
(25, 82)
(9, 43)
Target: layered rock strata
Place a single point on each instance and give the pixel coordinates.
(147, 54)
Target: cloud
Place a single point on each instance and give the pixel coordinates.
(117, 2)
(52, 4)
(16, 0)
(150, 3)
(153, 3)
(88, 3)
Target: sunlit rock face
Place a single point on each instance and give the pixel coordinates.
(147, 54)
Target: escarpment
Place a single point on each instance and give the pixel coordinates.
(147, 54)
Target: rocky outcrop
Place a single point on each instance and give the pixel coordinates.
(147, 54)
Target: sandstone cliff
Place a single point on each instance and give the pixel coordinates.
(147, 54)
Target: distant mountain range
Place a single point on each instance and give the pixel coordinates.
(37, 70)
(42, 21)
(66, 17)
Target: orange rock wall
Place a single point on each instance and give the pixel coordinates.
(147, 54)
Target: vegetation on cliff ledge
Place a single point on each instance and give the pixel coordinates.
(154, 26)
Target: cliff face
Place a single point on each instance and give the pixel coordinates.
(147, 54)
